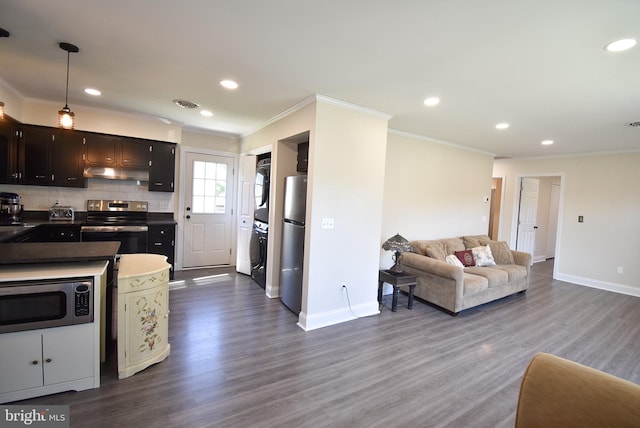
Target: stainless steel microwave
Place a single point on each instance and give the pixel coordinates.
(43, 304)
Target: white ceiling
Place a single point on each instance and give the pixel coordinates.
(538, 65)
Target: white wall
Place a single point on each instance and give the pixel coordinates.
(433, 191)
(37, 112)
(346, 184)
(603, 189)
(282, 164)
(210, 141)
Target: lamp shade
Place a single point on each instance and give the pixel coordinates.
(397, 243)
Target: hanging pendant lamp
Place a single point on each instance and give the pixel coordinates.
(66, 118)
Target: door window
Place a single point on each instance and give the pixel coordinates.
(209, 188)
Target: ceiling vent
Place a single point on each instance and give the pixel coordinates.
(186, 104)
(634, 124)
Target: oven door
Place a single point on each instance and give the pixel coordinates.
(133, 239)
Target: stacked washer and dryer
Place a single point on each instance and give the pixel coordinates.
(260, 233)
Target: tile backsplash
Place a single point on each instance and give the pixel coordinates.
(41, 198)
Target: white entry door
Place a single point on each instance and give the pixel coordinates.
(208, 212)
(526, 239)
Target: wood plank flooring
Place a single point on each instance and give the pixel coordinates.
(239, 360)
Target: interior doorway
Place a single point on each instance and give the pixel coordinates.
(494, 209)
(537, 226)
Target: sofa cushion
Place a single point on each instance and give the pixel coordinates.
(436, 252)
(453, 244)
(495, 277)
(501, 253)
(514, 272)
(466, 257)
(475, 241)
(439, 248)
(420, 247)
(482, 255)
(474, 283)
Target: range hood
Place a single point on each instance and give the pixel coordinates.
(135, 174)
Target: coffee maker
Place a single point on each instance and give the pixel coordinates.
(10, 208)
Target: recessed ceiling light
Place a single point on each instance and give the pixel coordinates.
(432, 101)
(502, 126)
(229, 84)
(547, 142)
(92, 91)
(206, 113)
(620, 45)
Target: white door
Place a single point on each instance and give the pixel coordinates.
(526, 238)
(245, 212)
(208, 212)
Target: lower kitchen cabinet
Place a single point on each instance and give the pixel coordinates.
(143, 312)
(162, 240)
(47, 361)
(46, 358)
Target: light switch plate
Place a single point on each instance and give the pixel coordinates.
(327, 223)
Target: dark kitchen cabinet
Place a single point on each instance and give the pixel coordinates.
(134, 153)
(9, 143)
(303, 157)
(36, 147)
(101, 149)
(52, 233)
(112, 151)
(161, 240)
(162, 167)
(66, 159)
(51, 157)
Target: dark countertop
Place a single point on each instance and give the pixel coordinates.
(57, 252)
(38, 218)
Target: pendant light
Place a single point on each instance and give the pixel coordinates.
(66, 118)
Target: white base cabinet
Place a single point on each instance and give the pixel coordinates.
(143, 312)
(47, 360)
(51, 360)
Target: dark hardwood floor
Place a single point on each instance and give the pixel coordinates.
(239, 360)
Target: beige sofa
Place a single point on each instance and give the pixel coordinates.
(456, 288)
(556, 392)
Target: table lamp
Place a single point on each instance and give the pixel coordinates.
(400, 245)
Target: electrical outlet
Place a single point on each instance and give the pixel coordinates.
(620, 269)
(327, 223)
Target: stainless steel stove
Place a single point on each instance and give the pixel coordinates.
(114, 220)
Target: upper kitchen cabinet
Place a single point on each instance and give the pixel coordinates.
(101, 149)
(66, 158)
(135, 153)
(9, 133)
(162, 167)
(51, 157)
(113, 151)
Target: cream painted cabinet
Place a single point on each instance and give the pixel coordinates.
(143, 312)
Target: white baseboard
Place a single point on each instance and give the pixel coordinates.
(337, 316)
(602, 285)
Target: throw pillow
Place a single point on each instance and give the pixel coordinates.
(501, 253)
(466, 257)
(453, 260)
(482, 255)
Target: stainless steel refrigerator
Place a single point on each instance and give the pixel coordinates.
(292, 257)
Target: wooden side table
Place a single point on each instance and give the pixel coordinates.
(397, 281)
